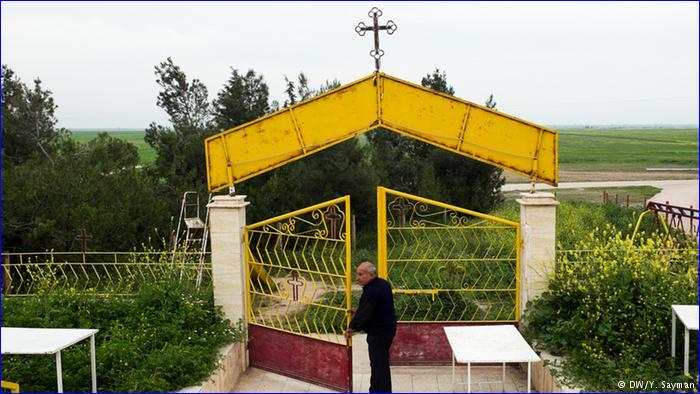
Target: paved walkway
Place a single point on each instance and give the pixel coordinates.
(404, 379)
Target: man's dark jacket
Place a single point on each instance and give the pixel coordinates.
(376, 310)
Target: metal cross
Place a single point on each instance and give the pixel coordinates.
(83, 237)
(295, 283)
(401, 207)
(333, 216)
(361, 29)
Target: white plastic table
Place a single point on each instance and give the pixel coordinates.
(488, 344)
(688, 314)
(48, 341)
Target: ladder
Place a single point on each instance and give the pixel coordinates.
(196, 230)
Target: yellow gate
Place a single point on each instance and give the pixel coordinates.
(299, 278)
(447, 265)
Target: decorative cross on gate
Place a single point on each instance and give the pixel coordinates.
(401, 207)
(295, 283)
(333, 216)
(390, 28)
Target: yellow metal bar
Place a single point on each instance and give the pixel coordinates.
(464, 127)
(381, 232)
(493, 137)
(451, 207)
(639, 221)
(13, 387)
(248, 276)
(348, 267)
(380, 100)
(297, 212)
(518, 245)
(296, 128)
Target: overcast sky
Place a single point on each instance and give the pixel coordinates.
(549, 63)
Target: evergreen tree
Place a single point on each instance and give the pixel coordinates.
(242, 99)
(28, 120)
(180, 158)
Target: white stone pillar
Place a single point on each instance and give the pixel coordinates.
(538, 213)
(226, 231)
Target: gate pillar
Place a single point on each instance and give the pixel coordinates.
(227, 222)
(538, 212)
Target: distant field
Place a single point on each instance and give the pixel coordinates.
(638, 195)
(608, 150)
(146, 153)
(627, 149)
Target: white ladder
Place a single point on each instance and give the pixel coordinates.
(196, 230)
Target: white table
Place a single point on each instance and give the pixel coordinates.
(48, 341)
(688, 314)
(489, 344)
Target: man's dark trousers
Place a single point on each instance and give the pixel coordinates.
(379, 342)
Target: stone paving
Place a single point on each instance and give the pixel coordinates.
(404, 379)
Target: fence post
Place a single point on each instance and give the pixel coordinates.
(227, 222)
(538, 213)
(5, 272)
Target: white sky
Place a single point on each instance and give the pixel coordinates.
(549, 63)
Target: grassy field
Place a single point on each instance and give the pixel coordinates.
(146, 153)
(638, 195)
(627, 149)
(611, 150)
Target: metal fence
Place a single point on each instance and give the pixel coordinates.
(102, 272)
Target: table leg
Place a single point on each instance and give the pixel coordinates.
(529, 376)
(92, 363)
(503, 382)
(59, 372)
(453, 372)
(469, 377)
(686, 339)
(673, 334)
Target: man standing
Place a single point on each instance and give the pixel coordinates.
(375, 315)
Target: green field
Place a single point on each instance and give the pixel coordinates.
(146, 153)
(579, 149)
(627, 149)
(638, 195)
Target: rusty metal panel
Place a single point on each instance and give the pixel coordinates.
(469, 129)
(289, 134)
(423, 343)
(308, 359)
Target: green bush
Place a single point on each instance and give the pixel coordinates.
(163, 338)
(608, 309)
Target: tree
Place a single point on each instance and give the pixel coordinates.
(28, 121)
(180, 158)
(94, 186)
(242, 99)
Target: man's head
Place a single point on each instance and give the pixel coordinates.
(366, 272)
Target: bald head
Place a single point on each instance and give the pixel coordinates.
(366, 271)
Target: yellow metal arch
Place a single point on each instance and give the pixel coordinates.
(380, 100)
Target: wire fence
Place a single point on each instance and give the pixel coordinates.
(102, 272)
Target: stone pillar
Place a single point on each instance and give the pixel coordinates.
(226, 223)
(538, 213)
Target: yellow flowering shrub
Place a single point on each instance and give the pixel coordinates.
(608, 308)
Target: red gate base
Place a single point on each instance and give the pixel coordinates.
(425, 343)
(308, 359)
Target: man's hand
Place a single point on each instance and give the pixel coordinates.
(352, 311)
(348, 333)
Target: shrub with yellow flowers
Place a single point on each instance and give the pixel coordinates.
(608, 309)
